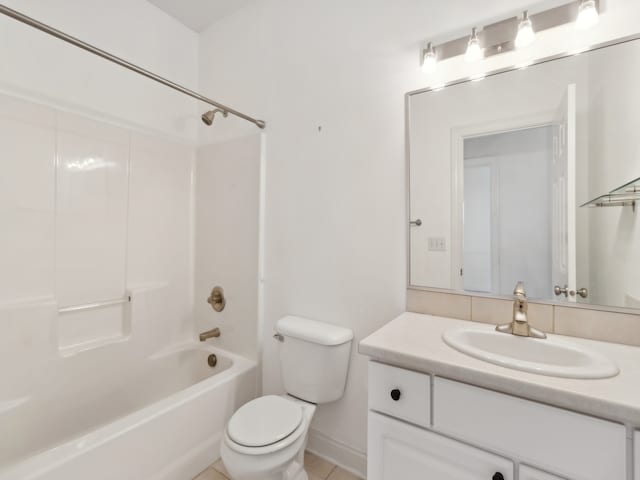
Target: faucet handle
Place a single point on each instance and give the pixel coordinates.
(519, 290)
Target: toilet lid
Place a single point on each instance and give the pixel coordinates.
(264, 421)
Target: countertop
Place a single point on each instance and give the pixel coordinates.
(414, 341)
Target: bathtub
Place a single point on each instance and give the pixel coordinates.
(159, 418)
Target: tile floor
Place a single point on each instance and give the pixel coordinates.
(317, 468)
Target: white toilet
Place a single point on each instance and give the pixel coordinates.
(265, 439)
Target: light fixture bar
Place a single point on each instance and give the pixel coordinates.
(499, 37)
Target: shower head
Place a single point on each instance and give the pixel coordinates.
(208, 117)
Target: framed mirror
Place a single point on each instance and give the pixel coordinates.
(531, 174)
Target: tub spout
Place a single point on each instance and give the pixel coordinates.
(209, 334)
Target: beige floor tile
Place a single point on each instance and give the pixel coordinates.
(316, 466)
(210, 474)
(314, 477)
(219, 466)
(340, 474)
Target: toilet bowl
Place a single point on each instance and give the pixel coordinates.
(266, 438)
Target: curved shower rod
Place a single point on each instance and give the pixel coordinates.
(123, 63)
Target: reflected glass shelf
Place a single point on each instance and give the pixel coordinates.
(624, 196)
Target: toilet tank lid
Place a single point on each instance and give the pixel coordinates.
(313, 331)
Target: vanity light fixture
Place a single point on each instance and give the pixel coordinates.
(512, 33)
(587, 15)
(429, 59)
(474, 50)
(526, 36)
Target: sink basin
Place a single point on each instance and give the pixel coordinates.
(552, 356)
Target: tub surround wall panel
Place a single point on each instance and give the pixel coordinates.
(94, 212)
(27, 200)
(91, 210)
(159, 253)
(227, 184)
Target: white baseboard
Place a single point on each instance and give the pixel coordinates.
(338, 453)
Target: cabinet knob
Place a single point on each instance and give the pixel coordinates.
(395, 394)
(497, 476)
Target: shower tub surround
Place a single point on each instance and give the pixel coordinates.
(93, 213)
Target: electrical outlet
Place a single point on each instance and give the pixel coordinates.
(437, 244)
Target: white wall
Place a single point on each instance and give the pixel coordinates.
(39, 66)
(335, 198)
(335, 242)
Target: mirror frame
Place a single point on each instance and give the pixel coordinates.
(460, 81)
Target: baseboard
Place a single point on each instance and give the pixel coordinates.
(338, 453)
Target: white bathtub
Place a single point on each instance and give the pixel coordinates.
(159, 418)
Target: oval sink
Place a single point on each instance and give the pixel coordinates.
(552, 356)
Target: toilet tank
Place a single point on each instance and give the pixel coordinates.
(314, 358)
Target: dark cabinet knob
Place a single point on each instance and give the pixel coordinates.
(497, 476)
(395, 394)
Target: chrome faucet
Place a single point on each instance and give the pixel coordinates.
(520, 324)
(209, 334)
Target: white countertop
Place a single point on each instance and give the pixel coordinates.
(414, 341)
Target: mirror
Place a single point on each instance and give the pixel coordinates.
(532, 175)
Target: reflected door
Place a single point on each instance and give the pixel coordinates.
(563, 204)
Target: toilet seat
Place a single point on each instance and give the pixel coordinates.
(265, 425)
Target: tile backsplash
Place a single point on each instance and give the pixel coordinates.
(596, 324)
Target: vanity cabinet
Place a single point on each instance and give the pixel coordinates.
(475, 433)
(528, 473)
(398, 450)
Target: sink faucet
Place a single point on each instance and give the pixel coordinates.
(209, 334)
(520, 324)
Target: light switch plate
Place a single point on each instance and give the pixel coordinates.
(437, 244)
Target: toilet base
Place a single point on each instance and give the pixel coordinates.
(285, 464)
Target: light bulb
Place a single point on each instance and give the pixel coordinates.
(474, 50)
(526, 36)
(429, 60)
(587, 15)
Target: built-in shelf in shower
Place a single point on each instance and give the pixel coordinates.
(626, 195)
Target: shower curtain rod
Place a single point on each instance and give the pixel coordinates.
(123, 63)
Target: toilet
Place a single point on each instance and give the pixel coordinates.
(265, 439)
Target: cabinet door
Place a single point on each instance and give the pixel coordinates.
(528, 473)
(399, 451)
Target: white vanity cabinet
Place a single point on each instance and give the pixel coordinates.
(398, 450)
(474, 433)
(528, 473)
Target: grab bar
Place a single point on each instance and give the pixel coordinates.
(91, 306)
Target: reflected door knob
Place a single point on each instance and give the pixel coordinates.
(583, 292)
(497, 476)
(558, 290)
(395, 394)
